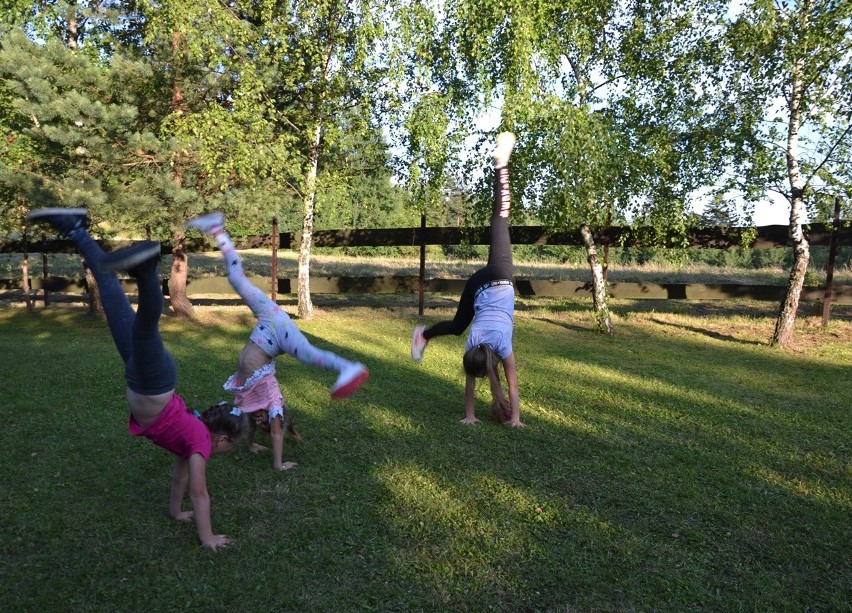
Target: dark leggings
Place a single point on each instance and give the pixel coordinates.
(148, 368)
(499, 265)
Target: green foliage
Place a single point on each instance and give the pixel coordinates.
(770, 47)
(73, 120)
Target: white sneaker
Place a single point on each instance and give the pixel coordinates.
(351, 378)
(503, 150)
(208, 223)
(418, 344)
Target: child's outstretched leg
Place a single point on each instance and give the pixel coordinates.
(499, 267)
(71, 224)
(500, 248)
(275, 332)
(150, 371)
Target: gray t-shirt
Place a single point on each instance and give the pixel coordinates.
(493, 320)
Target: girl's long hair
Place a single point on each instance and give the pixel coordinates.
(481, 361)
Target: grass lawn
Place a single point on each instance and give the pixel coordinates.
(680, 465)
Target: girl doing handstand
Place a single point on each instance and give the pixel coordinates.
(487, 305)
(156, 411)
(254, 385)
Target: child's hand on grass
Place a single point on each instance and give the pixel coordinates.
(217, 541)
(469, 421)
(183, 516)
(515, 424)
(287, 466)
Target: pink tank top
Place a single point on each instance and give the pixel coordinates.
(176, 430)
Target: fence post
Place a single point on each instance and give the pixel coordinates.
(25, 270)
(421, 281)
(829, 272)
(273, 290)
(45, 272)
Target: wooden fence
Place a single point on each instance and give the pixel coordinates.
(832, 235)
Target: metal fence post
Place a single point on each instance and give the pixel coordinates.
(829, 272)
(273, 290)
(422, 280)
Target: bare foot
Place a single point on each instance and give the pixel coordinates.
(287, 466)
(255, 448)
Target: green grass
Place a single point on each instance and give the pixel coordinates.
(680, 465)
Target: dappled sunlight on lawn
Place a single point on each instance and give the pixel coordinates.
(481, 523)
(663, 468)
(812, 488)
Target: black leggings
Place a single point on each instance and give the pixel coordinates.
(499, 267)
(148, 368)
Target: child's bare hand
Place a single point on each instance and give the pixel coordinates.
(255, 448)
(469, 421)
(287, 466)
(515, 424)
(183, 516)
(217, 541)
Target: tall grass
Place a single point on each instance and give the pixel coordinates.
(681, 465)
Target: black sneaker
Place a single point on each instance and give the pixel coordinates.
(132, 258)
(64, 220)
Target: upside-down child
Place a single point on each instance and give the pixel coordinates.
(487, 305)
(156, 411)
(254, 385)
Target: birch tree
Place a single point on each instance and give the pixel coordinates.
(609, 100)
(791, 99)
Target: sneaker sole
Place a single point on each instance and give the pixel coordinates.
(131, 260)
(413, 341)
(203, 223)
(344, 391)
(51, 212)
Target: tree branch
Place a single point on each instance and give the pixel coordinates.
(827, 157)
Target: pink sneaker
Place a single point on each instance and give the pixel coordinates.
(418, 344)
(351, 378)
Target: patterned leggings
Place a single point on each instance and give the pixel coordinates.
(275, 332)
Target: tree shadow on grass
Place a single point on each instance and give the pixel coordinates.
(654, 473)
(710, 333)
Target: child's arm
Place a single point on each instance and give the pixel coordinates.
(469, 396)
(276, 433)
(180, 479)
(201, 503)
(511, 370)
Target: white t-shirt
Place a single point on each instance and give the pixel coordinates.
(493, 320)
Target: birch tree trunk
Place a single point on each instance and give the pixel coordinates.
(784, 325)
(306, 308)
(603, 321)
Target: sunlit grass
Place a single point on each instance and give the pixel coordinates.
(681, 465)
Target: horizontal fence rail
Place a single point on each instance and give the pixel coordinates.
(387, 284)
(701, 238)
(706, 238)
